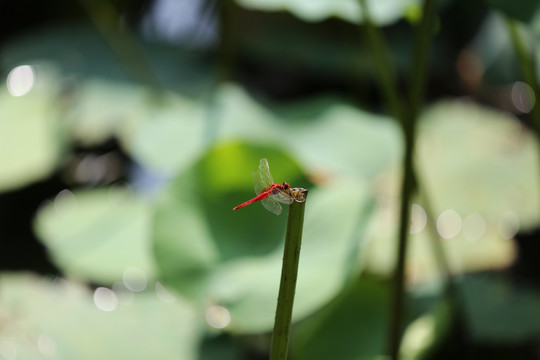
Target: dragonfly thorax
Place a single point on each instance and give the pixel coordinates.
(285, 186)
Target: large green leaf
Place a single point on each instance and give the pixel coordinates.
(59, 319)
(320, 132)
(105, 109)
(499, 311)
(164, 132)
(485, 156)
(382, 12)
(353, 326)
(192, 227)
(171, 135)
(183, 247)
(324, 143)
(30, 134)
(95, 235)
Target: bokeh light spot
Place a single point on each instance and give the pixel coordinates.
(474, 226)
(46, 345)
(21, 80)
(90, 170)
(418, 219)
(105, 299)
(65, 203)
(449, 224)
(522, 97)
(508, 225)
(218, 316)
(134, 279)
(163, 294)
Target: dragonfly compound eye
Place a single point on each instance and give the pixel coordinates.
(286, 186)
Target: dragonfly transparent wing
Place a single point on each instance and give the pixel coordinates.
(258, 184)
(271, 204)
(264, 171)
(262, 177)
(283, 197)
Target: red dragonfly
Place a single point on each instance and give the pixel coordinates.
(269, 193)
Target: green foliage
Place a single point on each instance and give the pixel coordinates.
(352, 325)
(235, 258)
(426, 332)
(384, 12)
(210, 254)
(487, 156)
(94, 235)
(204, 143)
(523, 10)
(31, 119)
(58, 319)
(499, 311)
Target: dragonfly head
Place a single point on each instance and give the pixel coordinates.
(286, 186)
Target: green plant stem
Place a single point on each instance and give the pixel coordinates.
(423, 35)
(407, 117)
(398, 292)
(226, 47)
(381, 56)
(287, 286)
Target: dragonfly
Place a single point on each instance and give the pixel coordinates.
(269, 193)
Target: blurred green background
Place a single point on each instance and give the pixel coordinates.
(129, 130)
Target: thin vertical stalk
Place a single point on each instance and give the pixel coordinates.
(287, 286)
(385, 70)
(424, 33)
(226, 48)
(398, 291)
(407, 116)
